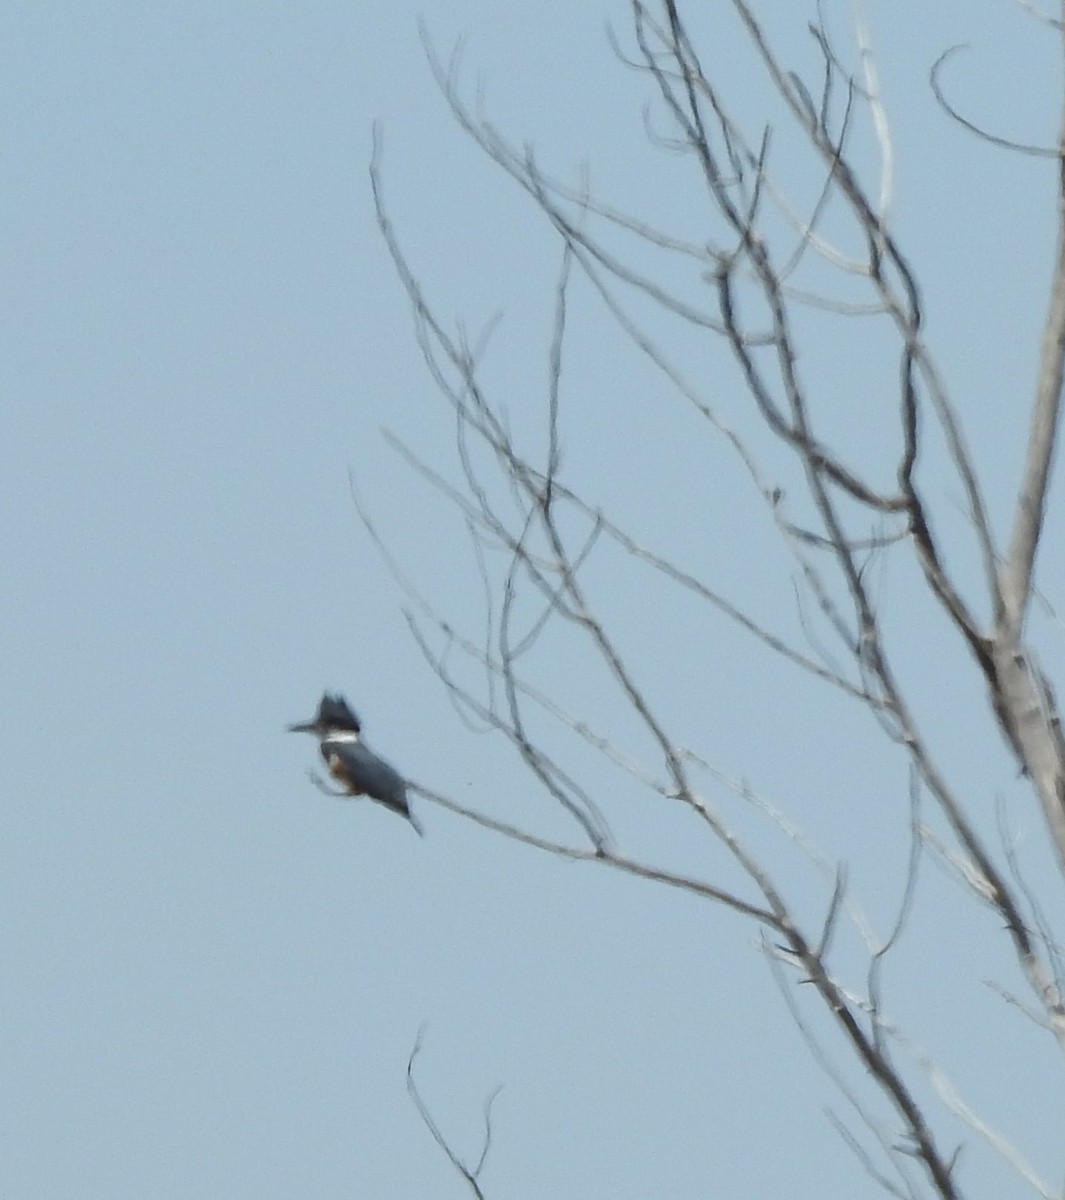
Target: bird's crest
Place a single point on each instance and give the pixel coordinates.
(334, 712)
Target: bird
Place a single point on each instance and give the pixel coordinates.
(351, 762)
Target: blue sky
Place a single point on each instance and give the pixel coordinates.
(213, 974)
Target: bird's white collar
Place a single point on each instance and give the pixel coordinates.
(346, 736)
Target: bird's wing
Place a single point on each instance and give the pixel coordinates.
(363, 773)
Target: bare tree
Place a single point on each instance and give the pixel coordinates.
(847, 512)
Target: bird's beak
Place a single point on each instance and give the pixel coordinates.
(306, 727)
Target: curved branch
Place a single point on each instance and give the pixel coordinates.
(470, 1174)
(608, 858)
(982, 134)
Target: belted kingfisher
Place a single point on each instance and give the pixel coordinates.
(351, 762)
